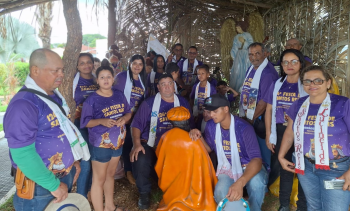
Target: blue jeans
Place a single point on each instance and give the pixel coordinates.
(256, 188)
(265, 152)
(317, 197)
(42, 197)
(85, 177)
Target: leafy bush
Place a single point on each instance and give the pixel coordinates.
(21, 72)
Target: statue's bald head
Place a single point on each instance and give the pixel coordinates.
(39, 57)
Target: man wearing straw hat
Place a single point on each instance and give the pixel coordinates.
(45, 146)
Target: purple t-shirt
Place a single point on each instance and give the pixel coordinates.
(268, 76)
(84, 88)
(187, 74)
(137, 92)
(287, 94)
(29, 120)
(338, 126)
(230, 97)
(201, 95)
(99, 107)
(142, 118)
(247, 144)
(153, 86)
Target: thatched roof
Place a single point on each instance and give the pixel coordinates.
(15, 5)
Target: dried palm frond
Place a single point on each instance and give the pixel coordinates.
(256, 26)
(227, 33)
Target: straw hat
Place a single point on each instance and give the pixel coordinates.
(74, 202)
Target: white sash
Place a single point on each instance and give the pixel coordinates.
(78, 145)
(207, 94)
(152, 77)
(128, 86)
(235, 171)
(154, 117)
(185, 65)
(75, 83)
(278, 85)
(254, 85)
(320, 135)
(175, 86)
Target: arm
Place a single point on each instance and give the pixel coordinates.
(268, 117)
(235, 94)
(287, 143)
(137, 147)
(195, 134)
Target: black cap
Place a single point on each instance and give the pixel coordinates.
(215, 101)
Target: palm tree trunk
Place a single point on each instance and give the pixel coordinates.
(72, 51)
(112, 22)
(44, 17)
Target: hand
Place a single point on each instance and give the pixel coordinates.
(270, 146)
(61, 193)
(135, 152)
(170, 58)
(108, 122)
(286, 165)
(235, 192)
(241, 39)
(77, 171)
(346, 177)
(120, 122)
(195, 134)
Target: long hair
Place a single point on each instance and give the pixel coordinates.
(296, 53)
(155, 63)
(143, 71)
(85, 54)
(184, 125)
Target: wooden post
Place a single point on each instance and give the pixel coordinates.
(112, 22)
(72, 51)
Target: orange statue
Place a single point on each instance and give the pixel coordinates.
(186, 174)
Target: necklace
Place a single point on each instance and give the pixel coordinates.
(225, 137)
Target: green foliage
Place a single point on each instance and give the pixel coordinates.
(3, 108)
(3, 75)
(1, 127)
(8, 206)
(58, 45)
(21, 72)
(90, 39)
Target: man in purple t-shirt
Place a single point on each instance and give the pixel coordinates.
(143, 155)
(252, 173)
(38, 145)
(254, 91)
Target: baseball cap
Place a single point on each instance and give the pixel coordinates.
(215, 101)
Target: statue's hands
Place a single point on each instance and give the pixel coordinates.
(241, 39)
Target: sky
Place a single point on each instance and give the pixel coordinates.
(91, 23)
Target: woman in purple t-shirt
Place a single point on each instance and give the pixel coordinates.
(282, 94)
(105, 113)
(132, 83)
(158, 70)
(319, 126)
(84, 84)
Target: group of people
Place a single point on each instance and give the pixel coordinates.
(172, 123)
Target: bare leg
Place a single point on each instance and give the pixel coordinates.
(108, 186)
(99, 171)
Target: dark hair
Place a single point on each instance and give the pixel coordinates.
(192, 46)
(143, 71)
(318, 68)
(221, 83)
(105, 65)
(85, 54)
(171, 67)
(151, 52)
(203, 66)
(300, 58)
(243, 24)
(96, 59)
(177, 44)
(254, 44)
(155, 62)
(184, 125)
(166, 75)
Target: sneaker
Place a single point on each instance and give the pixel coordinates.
(283, 208)
(144, 201)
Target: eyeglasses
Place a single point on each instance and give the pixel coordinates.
(171, 83)
(317, 81)
(292, 62)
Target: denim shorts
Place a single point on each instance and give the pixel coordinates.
(104, 155)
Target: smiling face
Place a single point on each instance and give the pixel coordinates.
(160, 63)
(192, 53)
(85, 65)
(105, 79)
(166, 87)
(256, 56)
(293, 66)
(136, 66)
(202, 75)
(316, 90)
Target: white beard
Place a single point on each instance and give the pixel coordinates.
(107, 141)
(58, 166)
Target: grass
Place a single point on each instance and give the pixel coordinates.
(8, 206)
(1, 127)
(3, 108)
